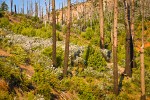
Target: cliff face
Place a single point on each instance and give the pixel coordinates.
(85, 10)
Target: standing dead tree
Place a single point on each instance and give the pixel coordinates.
(15, 9)
(101, 24)
(66, 58)
(23, 6)
(62, 16)
(143, 97)
(54, 34)
(11, 4)
(115, 67)
(129, 42)
(36, 9)
(132, 30)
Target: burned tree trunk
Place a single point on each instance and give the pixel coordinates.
(66, 58)
(11, 2)
(54, 34)
(23, 6)
(143, 97)
(49, 11)
(62, 15)
(101, 15)
(15, 9)
(36, 9)
(132, 31)
(129, 43)
(115, 67)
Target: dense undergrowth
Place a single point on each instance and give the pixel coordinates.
(90, 80)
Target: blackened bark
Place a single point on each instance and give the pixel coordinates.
(66, 59)
(143, 97)
(129, 44)
(54, 34)
(115, 67)
(101, 24)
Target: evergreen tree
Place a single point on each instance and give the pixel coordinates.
(4, 6)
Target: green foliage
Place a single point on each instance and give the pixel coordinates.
(58, 36)
(88, 34)
(86, 91)
(20, 55)
(93, 58)
(147, 71)
(64, 29)
(4, 95)
(59, 57)
(4, 22)
(45, 81)
(32, 28)
(89, 72)
(4, 6)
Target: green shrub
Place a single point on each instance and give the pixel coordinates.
(64, 29)
(88, 34)
(4, 22)
(93, 58)
(59, 54)
(45, 81)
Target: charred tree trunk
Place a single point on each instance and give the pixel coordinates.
(62, 16)
(143, 97)
(27, 8)
(36, 9)
(132, 31)
(23, 6)
(49, 11)
(39, 9)
(54, 34)
(66, 58)
(46, 12)
(101, 24)
(42, 13)
(15, 9)
(115, 70)
(11, 2)
(129, 44)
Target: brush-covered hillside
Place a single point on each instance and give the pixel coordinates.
(26, 66)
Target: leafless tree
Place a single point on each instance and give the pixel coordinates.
(143, 97)
(62, 15)
(23, 6)
(66, 58)
(115, 68)
(132, 30)
(27, 7)
(36, 9)
(15, 9)
(11, 2)
(129, 43)
(54, 34)
(101, 24)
